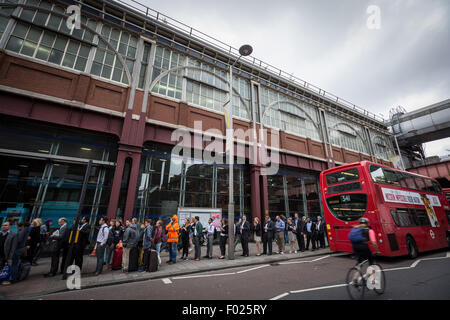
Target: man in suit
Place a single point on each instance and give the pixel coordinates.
(61, 237)
(320, 227)
(310, 234)
(299, 231)
(84, 230)
(245, 235)
(8, 245)
(268, 235)
(198, 233)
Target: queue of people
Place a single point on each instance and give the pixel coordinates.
(131, 246)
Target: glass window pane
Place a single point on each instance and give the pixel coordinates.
(106, 73)
(55, 56)
(48, 38)
(60, 43)
(96, 68)
(20, 30)
(43, 52)
(69, 60)
(73, 47)
(80, 64)
(28, 48)
(34, 34)
(84, 51)
(14, 44)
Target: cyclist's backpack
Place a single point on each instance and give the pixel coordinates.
(356, 235)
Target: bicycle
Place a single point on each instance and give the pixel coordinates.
(357, 281)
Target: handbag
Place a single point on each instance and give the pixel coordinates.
(5, 274)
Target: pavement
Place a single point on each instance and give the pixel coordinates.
(36, 285)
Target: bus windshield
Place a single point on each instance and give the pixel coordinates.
(348, 207)
(342, 176)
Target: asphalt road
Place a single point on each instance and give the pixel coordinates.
(316, 278)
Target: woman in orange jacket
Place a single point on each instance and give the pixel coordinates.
(173, 230)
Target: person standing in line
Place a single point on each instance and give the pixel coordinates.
(291, 235)
(268, 235)
(279, 234)
(257, 235)
(210, 237)
(146, 245)
(237, 233)
(191, 234)
(223, 237)
(43, 236)
(102, 238)
(117, 232)
(60, 238)
(129, 242)
(109, 250)
(320, 227)
(245, 235)
(198, 233)
(157, 238)
(83, 240)
(173, 230)
(310, 232)
(299, 226)
(35, 238)
(184, 234)
(285, 233)
(8, 246)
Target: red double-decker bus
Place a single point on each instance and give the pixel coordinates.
(408, 212)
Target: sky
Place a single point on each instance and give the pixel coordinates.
(377, 54)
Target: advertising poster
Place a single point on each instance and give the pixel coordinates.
(407, 197)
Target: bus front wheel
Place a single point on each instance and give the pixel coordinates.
(412, 248)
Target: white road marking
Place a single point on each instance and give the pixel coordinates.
(203, 276)
(319, 288)
(413, 265)
(166, 281)
(255, 268)
(280, 296)
(296, 262)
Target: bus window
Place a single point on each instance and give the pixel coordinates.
(348, 207)
(420, 183)
(403, 217)
(447, 213)
(429, 185)
(422, 217)
(377, 174)
(391, 177)
(437, 188)
(342, 176)
(409, 181)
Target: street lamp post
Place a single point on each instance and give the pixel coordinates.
(244, 50)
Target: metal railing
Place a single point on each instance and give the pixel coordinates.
(198, 35)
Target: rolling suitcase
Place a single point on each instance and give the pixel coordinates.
(153, 261)
(117, 259)
(134, 260)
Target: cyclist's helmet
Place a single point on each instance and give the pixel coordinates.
(364, 221)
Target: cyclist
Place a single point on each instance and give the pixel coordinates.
(360, 241)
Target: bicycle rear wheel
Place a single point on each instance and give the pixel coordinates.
(355, 284)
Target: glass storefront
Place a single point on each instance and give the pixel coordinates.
(33, 184)
(166, 183)
(293, 191)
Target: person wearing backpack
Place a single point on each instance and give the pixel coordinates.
(103, 237)
(360, 236)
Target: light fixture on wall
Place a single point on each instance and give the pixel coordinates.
(85, 149)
